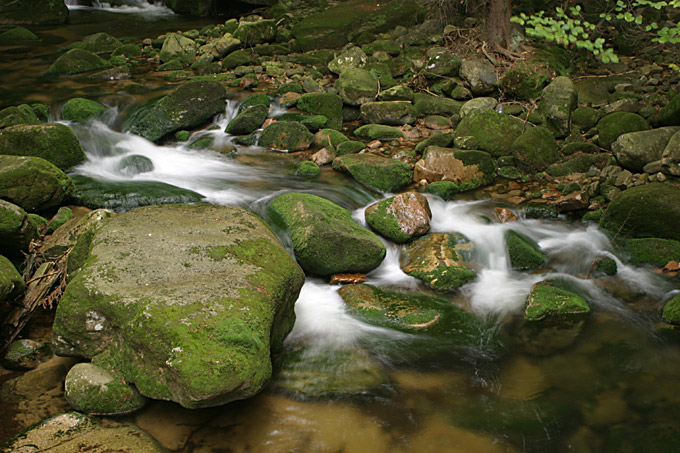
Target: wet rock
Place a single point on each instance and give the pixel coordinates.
(329, 138)
(16, 229)
(53, 142)
(524, 252)
(611, 126)
(326, 104)
(308, 169)
(394, 113)
(256, 32)
(80, 110)
(178, 47)
(11, 283)
(444, 140)
(558, 100)
(93, 390)
(385, 174)
(286, 136)
(33, 183)
(349, 147)
(190, 105)
(325, 239)
(76, 61)
(552, 302)
(235, 59)
(634, 150)
(459, 166)
(26, 354)
(162, 261)
(649, 251)
(400, 218)
(357, 86)
(248, 121)
(439, 259)
(224, 46)
(651, 210)
(41, 12)
(77, 432)
(135, 164)
(353, 57)
(378, 132)
(479, 75)
(17, 35)
(534, 150)
(671, 311)
(260, 99)
(574, 201)
(21, 114)
(540, 211)
(34, 382)
(127, 50)
(101, 42)
(489, 131)
(505, 215)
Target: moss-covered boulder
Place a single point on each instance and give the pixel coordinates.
(74, 431)
(286, 136)
(488, 131)
(441, 63)
(357, 86)
(307, 169)
(329, 138)
(224, 46)
(558, 100)
(256, 32)
(248, 121)
(578, 163)
(611, 126)
(196, 340)
(53, 142)
(37, 12)
(21, 114)
(670, 158)
(353, 57)
(455, 165)
(127, 50)
(378, 132)
(439, 259)
(395, 113)
(101, 42)
(178, 47)
(534, 150)
(523, 252)
(190, 105)
(651, 210)
(80, 109)
(11, 283)
(384, 174)
(349, 147)
(551, 302)
(17, 35)
(426, 104)
(76, 61)
(396, 93)
(235, 59)
(634, 150)
(326, 104)
(33, 183)
(476, 104)
(649, 251)
(525, 80)
(400, 218)
(326, 240)
(671, 311)
(670, 113)
(16, 229)
(93, 390)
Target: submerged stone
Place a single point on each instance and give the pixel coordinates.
(198, 340)
(549, 302)
(326, 240)
(439, 259)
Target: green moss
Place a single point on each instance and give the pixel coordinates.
(384, 174)
(286, 135)
(308, 169)
(426, 104)
(81, 109)
(22, 114)
(671, 311)
(615, 124)
(378, 132)
(524, 253)
(549, 302)
(649, 251)
(534, 150)
(330, 138)
(128, 50)
(235, 59)
(53, 142)
(349, 147)
(172, 65)
(491, 131)
(525, 81)
(326, 104)
(249, 120)
(76, 61)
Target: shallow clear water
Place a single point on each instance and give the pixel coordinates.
(608, 386)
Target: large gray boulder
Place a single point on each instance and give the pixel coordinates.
(33, 183)
(53, 142)
(558, 100)
(634, 150)
(186, 302)
(326, 240)
(178, 47)
(188, 106)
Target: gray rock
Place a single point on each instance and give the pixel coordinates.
(477, 104)
(178, 47)
(670, 159)
(353, 57)
(558, 100)
(394, 113)
(480, 76)
(357, 86)
(634, 150)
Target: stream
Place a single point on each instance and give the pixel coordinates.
(608, 387)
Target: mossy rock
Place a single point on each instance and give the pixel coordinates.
(53, 142)
(172, 65)
(248, 121)
(384, 174)
(80, 110)
(467, 168)
(254, 99)
(378, 132)
(17, 35)
(349, 147)
(253, 33)
(11, 283)
(25, 354)
(443, 139)
(649, 251)
(534, 150)
(235, 59)
(670, 113)
(393, 113)
(439, 259)
(16, 229)
(329, 138)
(93, 390)
(577, 163)
(357, 86)
(63, 215)
(526, 80)
(400, 218)
(307, 169)
(326, 104)
(446, 190)
(21, 114)
(651, 210)
(611, 126)
(155, 258)
(178, 47)
(671, 311)
(52, 12)
(549, 302)
(558, 100)
(101, 42)
(76, 61)
(135, 164)
(127, 50)
(491, 131)
(396, 93)
(286, 136)
(33, 183)
(426, 104)
(326, 240)
(190, 105)
(524, 253)
(585, 117)
(540, 211)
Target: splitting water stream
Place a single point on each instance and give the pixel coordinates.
(609, 388)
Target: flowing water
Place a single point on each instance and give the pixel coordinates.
(607, 386)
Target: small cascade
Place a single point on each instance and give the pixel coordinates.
(122, 6)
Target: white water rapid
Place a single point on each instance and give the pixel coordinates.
(143, 8)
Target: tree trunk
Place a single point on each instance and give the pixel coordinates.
(498, 27)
